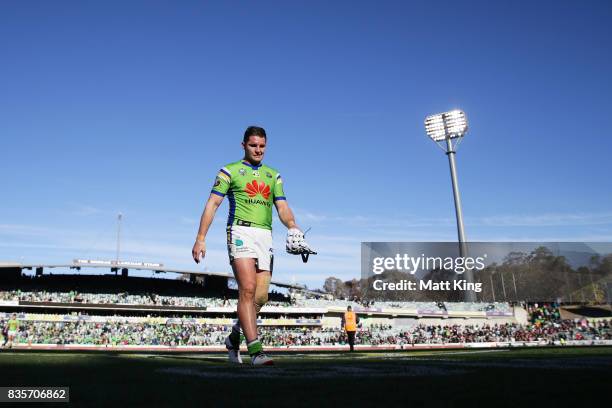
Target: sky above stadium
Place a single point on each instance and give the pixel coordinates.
(133, 106)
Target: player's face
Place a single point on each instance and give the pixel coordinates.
(254, 149)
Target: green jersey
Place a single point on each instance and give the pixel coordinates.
(251, 191)
(13, 324)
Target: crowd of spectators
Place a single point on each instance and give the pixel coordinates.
(545, 325)
(543, 312)
(120, 333)
(116, 298)
(206, 302)
(509, 332)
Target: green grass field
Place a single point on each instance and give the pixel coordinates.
(500, 378)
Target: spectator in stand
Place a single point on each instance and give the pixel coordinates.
(4, 328)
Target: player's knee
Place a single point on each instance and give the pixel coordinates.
(261, 299)
(247, 292)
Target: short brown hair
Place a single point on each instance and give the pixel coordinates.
(254, 131)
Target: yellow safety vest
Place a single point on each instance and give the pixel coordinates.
(350, 321)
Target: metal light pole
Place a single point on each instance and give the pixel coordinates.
(450, 152)
(119, 217)
(447, 127)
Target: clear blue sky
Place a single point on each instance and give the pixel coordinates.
(132, 107)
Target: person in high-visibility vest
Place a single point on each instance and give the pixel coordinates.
(349, 323)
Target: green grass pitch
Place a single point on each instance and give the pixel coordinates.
(499, 378)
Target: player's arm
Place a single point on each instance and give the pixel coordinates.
(295, 237)
(219, 189)
(280, 202)
(285, 214)
(199, 247)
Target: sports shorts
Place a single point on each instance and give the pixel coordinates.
(251, 242)
(12, 333)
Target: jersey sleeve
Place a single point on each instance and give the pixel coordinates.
(222, 182)
(279, 193)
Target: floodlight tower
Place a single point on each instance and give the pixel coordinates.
(452, 126)
(119, 218)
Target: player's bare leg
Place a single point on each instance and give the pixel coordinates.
(261, 298)
(261, 289)
(245, 273)
(246, 276)
(232, 342)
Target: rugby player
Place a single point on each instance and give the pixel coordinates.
(13, 330)
(252, 188)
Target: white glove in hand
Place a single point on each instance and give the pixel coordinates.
(296, 243)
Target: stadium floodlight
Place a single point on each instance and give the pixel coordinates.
(449, 126)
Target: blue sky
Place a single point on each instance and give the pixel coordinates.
(133, 106)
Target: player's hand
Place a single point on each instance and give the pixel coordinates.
(296, 244)
(199, 251)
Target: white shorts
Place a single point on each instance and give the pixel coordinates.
(11, 333)
(251, 242)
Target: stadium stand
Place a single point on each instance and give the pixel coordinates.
(104, 311)
(40, 329)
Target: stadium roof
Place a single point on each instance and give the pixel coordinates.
(142, 266)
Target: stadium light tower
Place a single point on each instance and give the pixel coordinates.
(119, 218)
(450, 127)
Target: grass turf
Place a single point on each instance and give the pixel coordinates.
(515, 377)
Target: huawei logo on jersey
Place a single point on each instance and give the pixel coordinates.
(254, 187)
